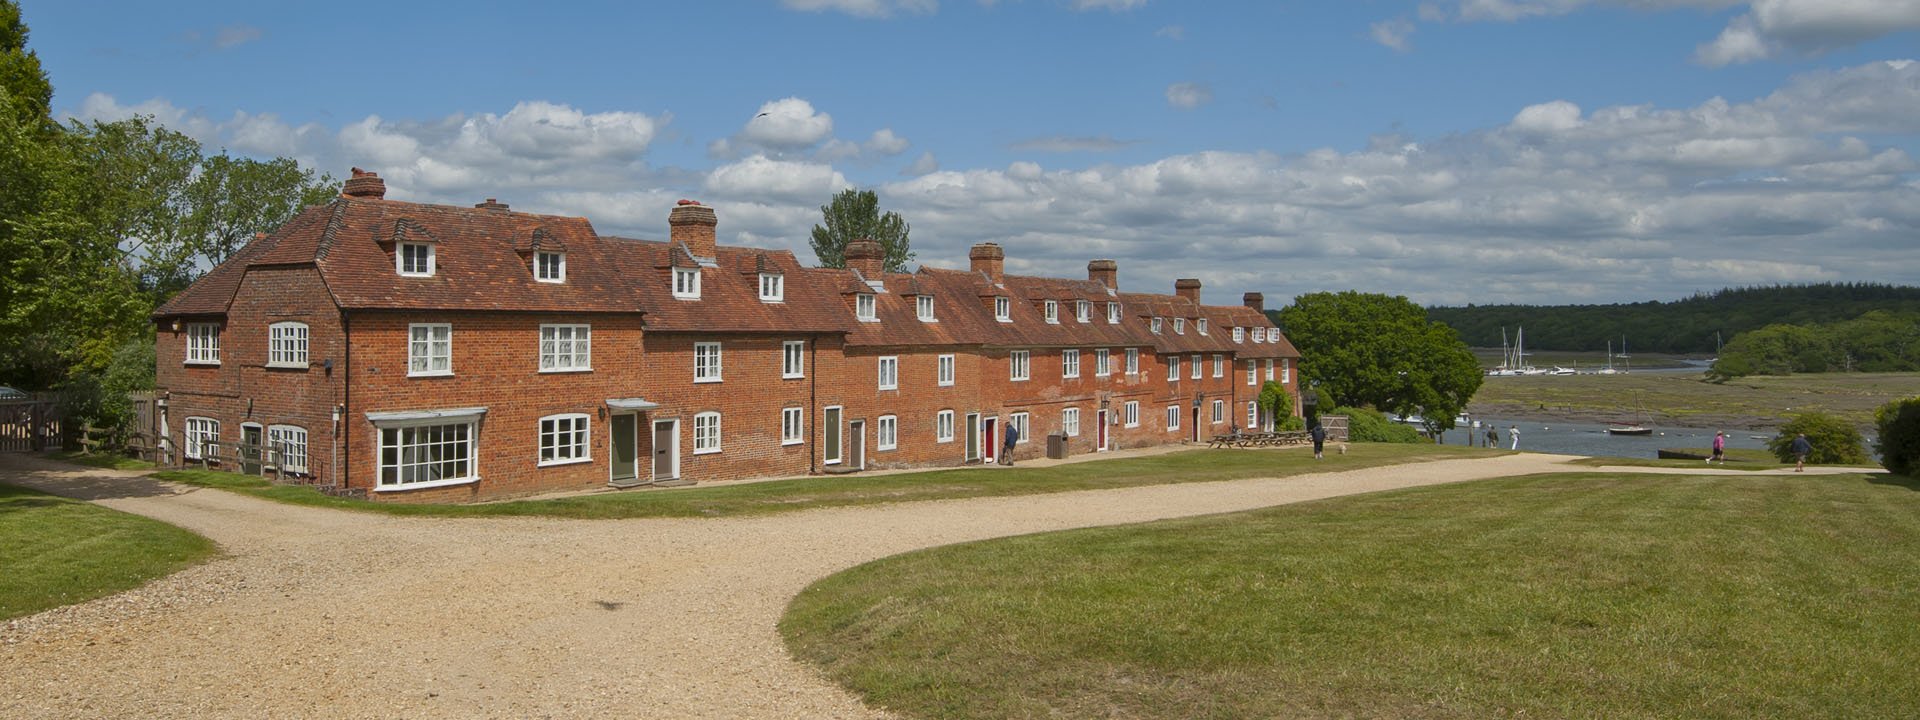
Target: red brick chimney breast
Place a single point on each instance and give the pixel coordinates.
(692, 224)
(989, 259)
(364, 184)
(1105, 272)
(1188, 288)
(866, 256)
(1254, 300)
(492, 204)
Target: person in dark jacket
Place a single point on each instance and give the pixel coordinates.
(1319, 439)
(1013, 436)
(1801, 449)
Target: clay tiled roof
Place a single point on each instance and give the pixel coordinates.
(730, 293)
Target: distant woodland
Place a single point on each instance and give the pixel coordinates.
(1679, 327)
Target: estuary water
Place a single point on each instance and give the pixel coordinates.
(1574, 438)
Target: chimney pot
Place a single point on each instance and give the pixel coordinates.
(1105, 272)
(867, 257)
(1188, 288)
(988, 259)
(364, 184)
(1255, 300)
(692, 224)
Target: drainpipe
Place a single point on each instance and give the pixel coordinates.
(346, 397)
(813, 399)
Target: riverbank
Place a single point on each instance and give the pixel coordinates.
(1685, 399)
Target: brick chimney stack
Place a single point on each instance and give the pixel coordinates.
(692, 225)
(1188, 288)
(492, 204)
(1105, 272)
(987, 258)
(364, 184)
(1256, 301)
(865, 256)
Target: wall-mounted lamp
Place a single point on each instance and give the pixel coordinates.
(175, 325)
(336, 414)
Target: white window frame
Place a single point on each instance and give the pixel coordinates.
(1219, 365)
(889, 367)
(1253, 371)
(1198, 365)
(1003, 308)
(923, 307)
(1102, 362)
(1259, 335)
(793, 359)
(946, 371)
(1019, 420)
(686, 283)
(577, 339)
(1219, 411)
(1201, 325)
(1286, 370)
(866, 308)
(773, 287)
(291, 442)
(1113, 313)
(565, 439)
(1083, 311)
(1133, 361)
(1240, 335)
(287, 344)
(1253, 414)
(793, 425)
(549, 267)
(707, 362)
(203, 344)
(1179, 326)
(1019, 365)
(1052, 311)
(421, 349)
(1130, 414)
(1269, 369)
(400, 257)
(943, 426)
(469, 426)
(706, 433)
(1070, 421)
(1173, 368)
(1154, 325)
(886, 433)
(1069, 363)
(197, 432)
(1173, 418)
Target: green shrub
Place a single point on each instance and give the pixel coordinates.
(1834, 441)
(1365, 425)
(1898, 423)
(1293, 422)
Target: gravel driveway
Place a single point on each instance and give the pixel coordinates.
(320, 613)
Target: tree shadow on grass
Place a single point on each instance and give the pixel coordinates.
(1910, 483)
(78, 481)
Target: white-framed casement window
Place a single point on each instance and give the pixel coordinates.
(1198, 368)
(1154, 325)
(290, 441)
(1003, 309)
(563, 439)
(1113, 313)
(566, 348)
(429, 349)
(706, 362)
(1083, 311)
(1052, 312)
(943, 426)
(886, 431)
(1017, 365)
(1070, 422)
(1179, 326)
(793, 426)
(890, 372)
(1102, 362)
(1173, 418)
(1069, 363)
(427, 455)
(203, 343)
(1173, 368)
(1219, 366)
(550, 267)
(686, 283)
(923, 307)
(865, 307)
(1253, 415)
(1259, 335)
(1201, 325)
(1253, 372)
(1269, 369)
(201, 433)
(706, 433)
(946, 373)
(1019, 421)
(1130, 414)
(1286, 370)
(1240, 335)
(793, 359)
(1219, 411)
(414, 259)
(1133, 361)
(773, 287)
(287, 345)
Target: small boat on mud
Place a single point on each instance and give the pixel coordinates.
(1629, 430)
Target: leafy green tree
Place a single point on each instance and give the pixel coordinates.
(1834, 441)
(1898, 423)
(25, 93)
(1275, 402)
(1365, 425)
(855, 215)
(1380, 351)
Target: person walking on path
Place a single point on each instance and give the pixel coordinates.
(1493, 437)
(1319, 440)
(1719, 448)
(1513, 431)
(1801, 449)
(1013, 436)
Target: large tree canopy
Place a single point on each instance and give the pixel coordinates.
(1380, 351)
(855, 215)
(25, 93)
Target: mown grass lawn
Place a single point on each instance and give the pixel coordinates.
(1572, 595)
(761, 498)
(55, 551)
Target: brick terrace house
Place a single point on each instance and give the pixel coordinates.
(429, 353)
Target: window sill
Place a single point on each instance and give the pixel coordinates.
(889, 387)
(943, 440)
(428, 484)
(773, 301)
(289, 366)
(888, 448)
(830, 462)
(945, 384)
(703, 381)
(545, 371)
(440, 373)
(203, 363)
(793, 377)
(568, 461)
(560, 281)
(714, 451)
(416, 275)
(787, 443)
(686, 297)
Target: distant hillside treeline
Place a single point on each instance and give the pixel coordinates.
(1875, 342)
(1681, 326)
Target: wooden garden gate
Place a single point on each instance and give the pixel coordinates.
(29, 425)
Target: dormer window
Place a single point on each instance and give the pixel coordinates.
(1201, 324)
(923, 305)
(1156, 326)
(686, 283)
(1113, 313)
(1259, 335)
(1179, 326)
(1002, 309)
(1240, 335)
(773, 287)
(550, 267)
(1083, 311)
(1053, 312)
(414, 259)
(863, 307)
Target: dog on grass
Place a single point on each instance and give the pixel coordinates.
(1343, 448)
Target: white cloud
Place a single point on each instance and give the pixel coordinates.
(885, 142)
(1549, 117)
(1394, 33)
(922, 165)
(864, 8)
(1187, 95)
(1768, 27)
(1070, 143)
(762, 178)
(787, 124)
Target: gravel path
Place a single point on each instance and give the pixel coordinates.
(320, 613)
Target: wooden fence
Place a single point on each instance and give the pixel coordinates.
(30, 425)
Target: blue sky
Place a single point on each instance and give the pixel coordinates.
(1540, 151)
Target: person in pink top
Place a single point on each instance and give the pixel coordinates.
(1719, 448)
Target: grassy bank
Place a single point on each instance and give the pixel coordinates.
(762, 498)
(56, 551)
(1552, 596)
(1684, 399)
